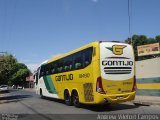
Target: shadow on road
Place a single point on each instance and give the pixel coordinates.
(100, 108)
(105, 108)
(13, 98)
(54, 100)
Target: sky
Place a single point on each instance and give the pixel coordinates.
(36, 30)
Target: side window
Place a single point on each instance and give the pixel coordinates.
(87, 56)
(78, 60)
(48, 69)
(59, 66)
(68, 63)
(75, 61)
(42, 71)
(53, 67)
(45, 70)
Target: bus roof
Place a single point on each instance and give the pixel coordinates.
(73, 51)
(76, 50)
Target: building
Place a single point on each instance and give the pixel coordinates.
(30, 81)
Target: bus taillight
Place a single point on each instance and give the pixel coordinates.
(134, 84)
(99, 86)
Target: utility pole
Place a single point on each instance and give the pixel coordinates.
(129, 20)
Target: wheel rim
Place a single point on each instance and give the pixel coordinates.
(67, 98)
(76, 99)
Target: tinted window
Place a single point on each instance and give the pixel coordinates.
(68, 63)
(87, 56)
(78, 60)
(75, 61)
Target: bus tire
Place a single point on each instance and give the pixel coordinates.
(67, 98)
(41, 93)
(75, 99)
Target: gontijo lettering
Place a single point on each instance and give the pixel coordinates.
(64, 77)
(117, 63)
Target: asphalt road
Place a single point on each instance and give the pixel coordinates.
(25, 104)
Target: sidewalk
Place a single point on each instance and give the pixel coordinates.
(147, 100)
(30, 89)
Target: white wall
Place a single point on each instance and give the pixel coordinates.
(148, 68)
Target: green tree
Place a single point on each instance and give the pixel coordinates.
(158, 38)
(12, 72)
(151, 40)
(138, 40)
(7, 67)
(19, 77)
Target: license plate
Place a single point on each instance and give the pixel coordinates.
(120, 97)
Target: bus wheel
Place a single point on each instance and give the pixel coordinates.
(67, 98)
(75, 99)
(41, 94)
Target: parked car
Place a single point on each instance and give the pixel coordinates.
(19, 87)
(4, 88)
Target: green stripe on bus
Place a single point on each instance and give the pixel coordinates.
(52, 87)
(49, 84)
(149, 80)
(148, 92)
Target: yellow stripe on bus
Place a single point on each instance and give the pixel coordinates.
(153, 86)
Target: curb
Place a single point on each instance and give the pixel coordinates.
(146, 100)
(146, 103)
(30, 89)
